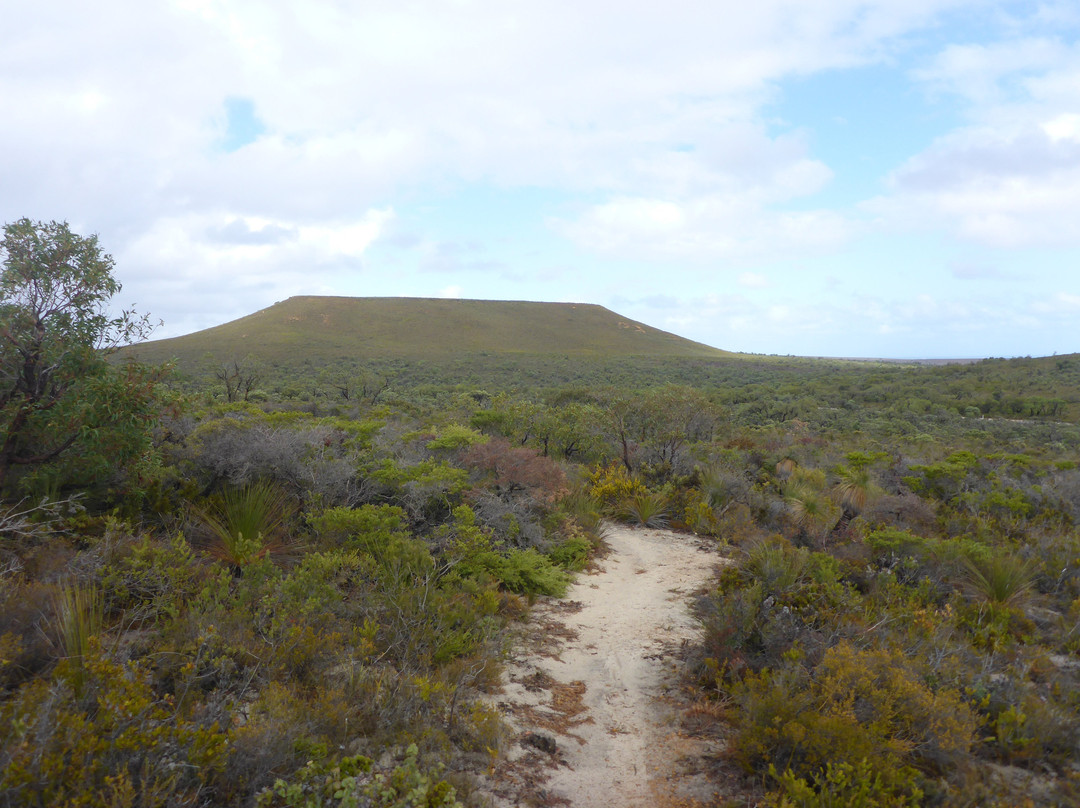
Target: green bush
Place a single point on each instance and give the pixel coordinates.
(525, 572)
(572, 553)
(586, 514)
(353, 782)
(1002, 578)
(116, 743)
(856, 705)
(370, 528)
(841, 785)
(454, 437)
(153, 579)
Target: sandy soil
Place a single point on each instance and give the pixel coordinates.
(592, 695)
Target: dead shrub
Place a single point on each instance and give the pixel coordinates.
(903, 511)
(515, 469)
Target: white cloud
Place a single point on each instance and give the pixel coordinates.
(978, 272)
(717, 227)
(1012, 189)
(362, 101)
(993, 73)
(218, 266)
(1063, 127)
(345, 239)
(1009, 177)
(1064, 304)
(871, 326)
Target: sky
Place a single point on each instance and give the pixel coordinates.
(889, 178)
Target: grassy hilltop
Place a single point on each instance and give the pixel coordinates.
(334, 328)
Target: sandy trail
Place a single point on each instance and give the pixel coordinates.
(589, 696)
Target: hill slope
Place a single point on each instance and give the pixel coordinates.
(330, 328)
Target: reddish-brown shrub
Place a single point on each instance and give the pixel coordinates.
(517, 469)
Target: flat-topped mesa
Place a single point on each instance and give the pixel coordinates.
(423, 328)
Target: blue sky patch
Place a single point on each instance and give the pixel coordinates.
(242, 125)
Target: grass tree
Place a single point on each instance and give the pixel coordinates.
(808, 506)
(853, 491)
(78, 617)
(246, 523)
(1000, 578)
(646, 509)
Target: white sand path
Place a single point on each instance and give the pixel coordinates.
(597, 680)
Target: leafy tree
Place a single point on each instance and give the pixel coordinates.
(659, 422)
(60, 399)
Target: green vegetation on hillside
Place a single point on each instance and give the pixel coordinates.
(330, 329)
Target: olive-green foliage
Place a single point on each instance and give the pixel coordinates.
(427, 490)
(776, 566)
(113, 741)
(375, 529)
(912, 557)
(151, 579)
(366, 638)
(572, 553)
(830, 655)
(840, 785)
(853, 672)
(325, 331)
(1000, 578)
(774, 597)
(521, 571)
(585, 513)
(80, 613)
(352, 782)
(454, 437)
(858, 705)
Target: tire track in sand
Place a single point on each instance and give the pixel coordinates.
(588, 696)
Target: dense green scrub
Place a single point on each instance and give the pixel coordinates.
(294, 610)
(921, 650)
(300, 598)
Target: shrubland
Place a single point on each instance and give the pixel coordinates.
(300, 598)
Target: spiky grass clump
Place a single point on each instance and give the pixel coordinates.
(854, 488)
(809, 508)
(586, 513)
(718, 489)
(247, 523)
(776, 565)
(1001, 578)
(645, 509)
(79, 614)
